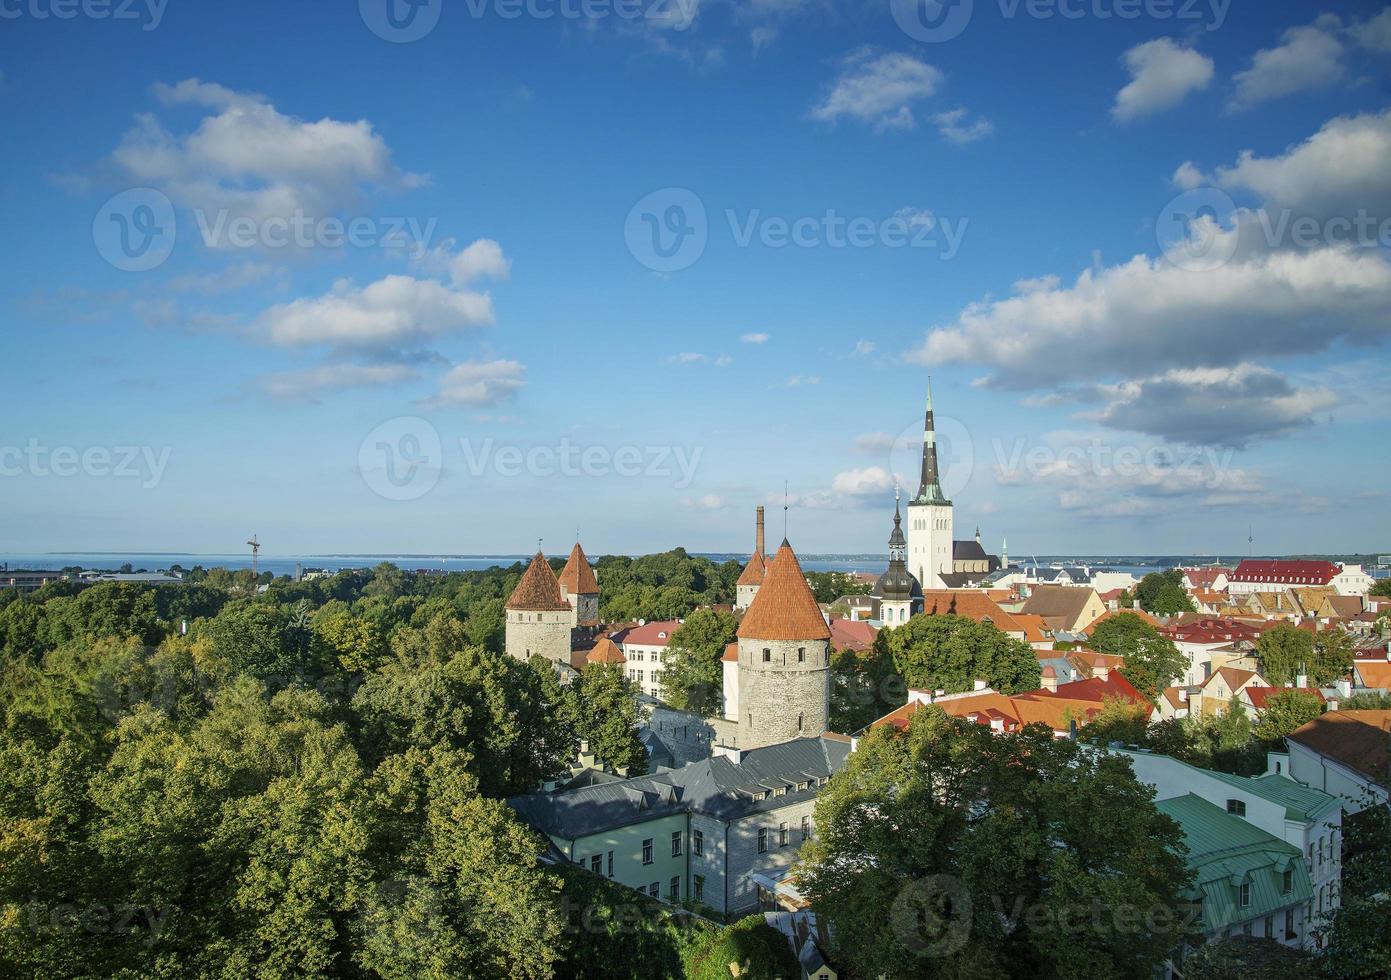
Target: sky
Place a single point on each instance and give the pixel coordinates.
(425, 277)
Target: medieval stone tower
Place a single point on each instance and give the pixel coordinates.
(580, 588)
(930, 517)
(784, 659)
(752, 576)
(538, 617)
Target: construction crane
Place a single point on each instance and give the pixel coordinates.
(255, 552)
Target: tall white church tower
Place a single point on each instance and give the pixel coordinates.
(930, 517)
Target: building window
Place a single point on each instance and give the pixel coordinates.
(676, 843)
(767, 655)
(1289, 923)
(610, 864)
(698, 842)
(1269, 927)
(655, 889)
(799, 722)
(1243, 895)
(801, 655)
(806, 828)
(762, 840)
(647, 851)
(699, 889)
(1236, 808)
(782, 834)
(1287, 881)
(674, 891)
(596, 864)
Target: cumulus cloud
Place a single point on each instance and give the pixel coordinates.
(797, 380)
(1344, 167)
(874, 442)
(872, 481)
(863, 348)
(476, 383)
(393, 310)
(249, 159)
(1162, 74)
(1223, 406)
(1307, 57)
(482, 259)
(1375, 33)
(709, 501)
(957, 126)
(878, 89)
(309, 384)
(754, 338)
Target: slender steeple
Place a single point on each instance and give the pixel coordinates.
(896, 584)
(930, 487)
(898, 546)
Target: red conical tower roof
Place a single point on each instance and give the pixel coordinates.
(577, 576)
(784, 608)
(538, 591)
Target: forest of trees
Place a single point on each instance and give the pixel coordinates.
(207, 780)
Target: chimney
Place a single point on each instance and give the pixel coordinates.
(981, 685)
(758, 533)
(1301, 680)
(1050, 679)
(1344, 687)
(1101, 672)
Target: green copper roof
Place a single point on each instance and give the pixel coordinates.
(1302, 803)
(1226, 852)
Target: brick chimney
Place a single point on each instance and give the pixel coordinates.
(758, 533)
(1050, 679)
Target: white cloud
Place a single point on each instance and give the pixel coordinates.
(480, 383)
(393, 310)
(874, 442)
(754, 338)
(723, 360)
(1162, 74)
(797, 380)
(1150, 315)
(1221, 406)
(687, 357)
(312, 382)
(1307, 57)
(916, 217)
(1375, 33)
(878, 89)
(482, 259)
(953, 125)
(230, 279)
(709, 501)
(1188, 176)
(872, 481)
(863, 348)
(1344, 167)
(249, 159)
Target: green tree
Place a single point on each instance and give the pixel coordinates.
(1238, 958)
(355, 644)
(750, 946)
(950, 850)
(1119, 720)
(952, 652)
(1381, 587)
(606, 714)
(830, 586)
(1285, 711)
(692, 672)
(864, 687)
(263, 640)
(1152, 662)
(1162, 593)
(1286, 651)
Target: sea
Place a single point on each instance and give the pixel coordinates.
(291, 564)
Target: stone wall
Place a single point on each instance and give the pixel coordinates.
(791, 685)
(546, 634)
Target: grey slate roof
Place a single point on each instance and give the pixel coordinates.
(717, 786)
(968, 550)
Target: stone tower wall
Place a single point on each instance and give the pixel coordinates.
(772, 694)
(546, 634)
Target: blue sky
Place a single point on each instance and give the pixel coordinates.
(505, 352)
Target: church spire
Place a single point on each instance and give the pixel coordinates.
(930, 487)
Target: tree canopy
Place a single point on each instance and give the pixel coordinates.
(1162, 593)
(1152, 662)
(951, 653)
(692, 672)
(1285, 652)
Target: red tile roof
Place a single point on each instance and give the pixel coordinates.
(605, 652)
(1112, 613)
(851, 634)
(1357, 739)
(784, 608)
(754, 571)
(1260, 695)
(538, 591)
(731, 653)
(1202, 578)
(577, 576)
(971, 604)
(654, 634)
(1284, 572)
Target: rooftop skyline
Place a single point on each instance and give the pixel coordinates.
(451, 286)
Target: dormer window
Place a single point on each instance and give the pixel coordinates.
(1236, 808)
(1244, 895)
